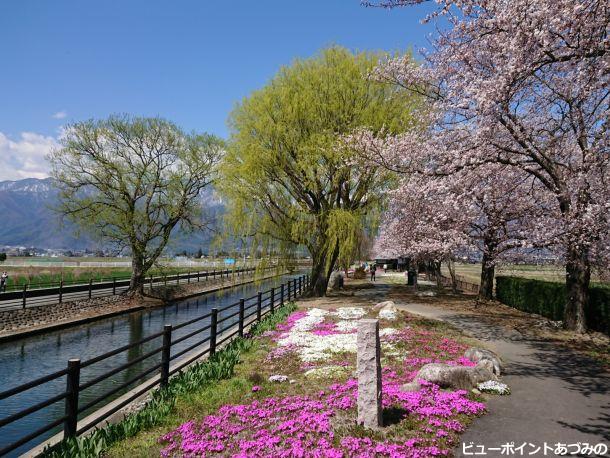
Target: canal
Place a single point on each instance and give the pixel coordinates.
(35, 356)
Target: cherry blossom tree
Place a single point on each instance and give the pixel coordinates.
(525, 84)
(491, 209)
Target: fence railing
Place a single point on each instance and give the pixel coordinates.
(108, 287)
(462, 285)
(213, 329)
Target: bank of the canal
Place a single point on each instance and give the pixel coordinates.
(37, 355)
(18, 323)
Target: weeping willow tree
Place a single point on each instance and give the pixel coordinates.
(289, 177)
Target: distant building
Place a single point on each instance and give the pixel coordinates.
(399, 264)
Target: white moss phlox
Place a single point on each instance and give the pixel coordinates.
(350, 313)
(314, 316)
(312, 347)
(346, 326)
(389, 315)
(491, 386)
(387, 331)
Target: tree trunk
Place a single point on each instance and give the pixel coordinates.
(438, 276)
(451, 267)
(578, 277)
(320, 274)
(319, 278)
(136, 282)
(487, 278)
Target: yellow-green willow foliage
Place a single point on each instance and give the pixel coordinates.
(289, 178)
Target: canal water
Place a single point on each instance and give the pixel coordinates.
(33, 357)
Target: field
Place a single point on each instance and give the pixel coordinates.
(472, 272)
(37, 277)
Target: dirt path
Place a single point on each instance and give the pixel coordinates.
(558, 395)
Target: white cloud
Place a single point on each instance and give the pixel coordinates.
(25, 157)
(60, 115)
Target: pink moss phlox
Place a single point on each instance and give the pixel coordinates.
(326, 328)
(301, 426)
(287, 325)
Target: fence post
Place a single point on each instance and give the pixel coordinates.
(151, 282)
(272, 300)
(188, 280)
(177, 278)
(25, 293)
(198, 276)
(282, 294)
(165, 354)
(213, 331)
(288, 288)
(300, 286)
(259, 303)
(61, 291)
(214, 274)
(71, 405)
(241, 318)
(165, 280)
(90, 284)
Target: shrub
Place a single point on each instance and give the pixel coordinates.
(549, 298)
(359, 273)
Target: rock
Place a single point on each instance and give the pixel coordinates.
(455, 377)
(425, 293)
(476, 354)
(336, 280)
(384, 304)
(369, 374)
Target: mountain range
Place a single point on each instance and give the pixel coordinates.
(27, 219)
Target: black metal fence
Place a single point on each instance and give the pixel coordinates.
(235, 319)
(28, 296)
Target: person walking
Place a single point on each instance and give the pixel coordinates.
(3, 279)
(373, 270)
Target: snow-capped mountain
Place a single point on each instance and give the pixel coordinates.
(27, 219)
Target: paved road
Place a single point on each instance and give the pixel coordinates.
(557, 395)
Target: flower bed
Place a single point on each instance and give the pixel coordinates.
(306, 403)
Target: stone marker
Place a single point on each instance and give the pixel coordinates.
(369, 374)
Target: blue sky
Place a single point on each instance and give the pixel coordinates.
(185, 60)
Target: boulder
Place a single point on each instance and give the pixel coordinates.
(425, 293)
(455, 377)
(384, 304)
(336, 280)
(476, 355)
